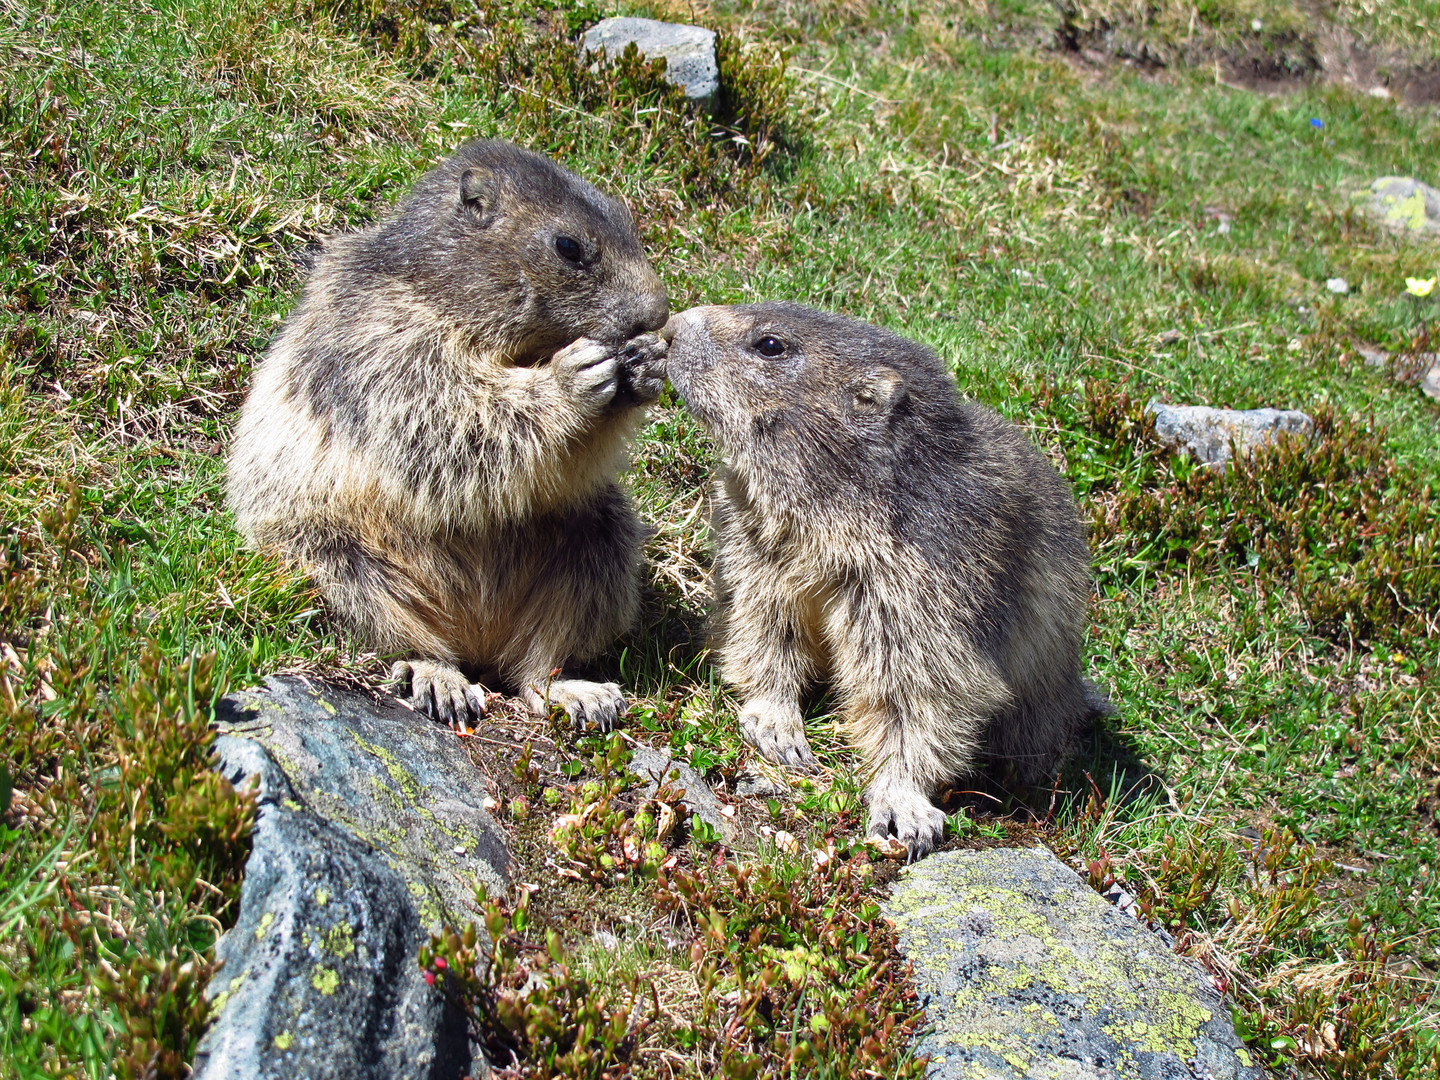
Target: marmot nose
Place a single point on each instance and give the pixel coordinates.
(652, 314)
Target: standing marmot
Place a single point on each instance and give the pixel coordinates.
(428, 438)
(874, 527)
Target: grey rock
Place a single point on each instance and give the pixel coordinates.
(656, 767)
(753, 783)
(689, 51)
(1405, 204)
(1027, 972)
(1208, 434)
(370, 834)
(1374, 357)
(1337, 285)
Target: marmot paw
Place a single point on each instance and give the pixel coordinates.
(439, 691)
(588, 704)
(642, 370)
(902, 810)
(777, 730)
(589, 372)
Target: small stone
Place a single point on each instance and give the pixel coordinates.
(1224, 227)
(1024, 971)
(1381, 92)
(1404, 203)
(1208, 434)
(756, 784)
(688, 51)
(889, 847)
(1373, 357)
(787, 842)
(1338, 285)
(1430, 384)
(655, 768)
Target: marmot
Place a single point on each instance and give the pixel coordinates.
(874, 527)
(436, 431)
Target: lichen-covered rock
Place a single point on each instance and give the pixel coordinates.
(1404, 203)
(370, 832)
(1027, 972)
(1208, 434)
(688, 51)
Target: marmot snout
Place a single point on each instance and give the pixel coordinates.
(873, 526)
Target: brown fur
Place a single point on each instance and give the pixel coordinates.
(436, 431)
(875, 529)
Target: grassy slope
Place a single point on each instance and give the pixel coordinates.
(1039, 222)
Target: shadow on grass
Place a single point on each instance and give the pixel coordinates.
(1106, 764)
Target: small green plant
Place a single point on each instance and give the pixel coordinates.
(797, 974)
(533, 1004)
(604, 841)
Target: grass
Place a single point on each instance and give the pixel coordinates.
(1076, 233)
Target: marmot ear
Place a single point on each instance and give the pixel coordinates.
(877, 393)
(479, 195)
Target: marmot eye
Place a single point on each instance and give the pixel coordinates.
(568, 248)
(770, 346)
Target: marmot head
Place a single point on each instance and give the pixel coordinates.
(528, 255)
(809, 399)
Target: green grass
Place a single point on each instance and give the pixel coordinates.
(1050, 226)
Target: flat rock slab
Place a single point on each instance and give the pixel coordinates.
(688, 51)
(1027, 972)
(371, 832)
(1210, 435)
(1405, 204)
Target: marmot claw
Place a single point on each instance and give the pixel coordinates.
(439, 691)
(588, 704)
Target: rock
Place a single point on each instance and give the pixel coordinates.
(1404, 203)
(1338, 285)
(1430, 381)
(362, 811)
(689, 52)
(754, 783)
(654, 767)
(1208, 434)
(1026, 972)
(1373, 357)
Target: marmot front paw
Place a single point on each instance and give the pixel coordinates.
(588, 373)
(903, 811)
(642, 370)
(439, 691)
(777, 730)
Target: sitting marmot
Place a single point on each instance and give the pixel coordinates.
(875, 528)
(435, 433)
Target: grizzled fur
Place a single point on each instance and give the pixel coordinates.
(436, 431)
(876, 529)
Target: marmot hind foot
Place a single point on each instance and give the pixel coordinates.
(588, 704)
(900, 809)
(439, 691)
(777, 730)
